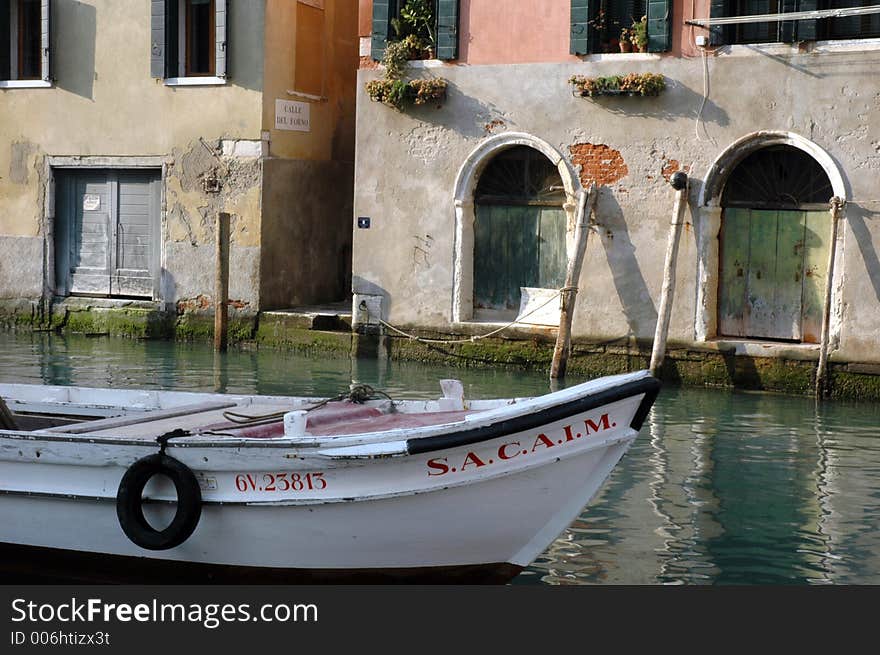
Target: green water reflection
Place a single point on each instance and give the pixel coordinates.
(720, 487)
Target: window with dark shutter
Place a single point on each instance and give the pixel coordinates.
(447, 29)
(580, 27)
(432, 25)
(659, 13)
(24, 40)
(189, 38)
(605, 25)
(772, 31)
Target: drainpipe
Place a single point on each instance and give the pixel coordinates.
(822, 388)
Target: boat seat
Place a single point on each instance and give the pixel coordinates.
(145, 417)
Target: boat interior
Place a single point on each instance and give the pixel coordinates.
(137, 414)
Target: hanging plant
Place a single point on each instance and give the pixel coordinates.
(631, 84)
(396, 92)
(399, 93)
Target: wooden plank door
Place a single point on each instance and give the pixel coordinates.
(773, 294)
(136, 234)
(772, 274)
(89, 234)
(552, 257)
(816, 250)
(733, 272)
(516, 246)
(107, 233)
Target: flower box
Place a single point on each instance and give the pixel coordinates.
(631, 84)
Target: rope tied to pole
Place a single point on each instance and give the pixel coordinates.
(474, 338)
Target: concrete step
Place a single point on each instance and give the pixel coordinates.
(330, 317)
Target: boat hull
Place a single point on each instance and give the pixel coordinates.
(463, 509)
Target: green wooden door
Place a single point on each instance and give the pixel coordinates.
(516, 246)
(771, 280)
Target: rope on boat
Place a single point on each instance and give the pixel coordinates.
(357, 393)
(477, 337)
(163, 439)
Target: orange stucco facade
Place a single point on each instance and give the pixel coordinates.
(523, 31)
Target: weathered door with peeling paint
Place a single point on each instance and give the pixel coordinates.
(520, 228)
(516, 246)
(774, 246)
(107, 232)
(772, 273)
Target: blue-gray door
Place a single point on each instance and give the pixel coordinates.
(107, 232)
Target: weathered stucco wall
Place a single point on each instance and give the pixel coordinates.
(329, 60)
(307, 190)
(306, 237)
(407, 165)
(105, 104)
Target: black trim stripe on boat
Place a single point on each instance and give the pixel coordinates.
(649, 386)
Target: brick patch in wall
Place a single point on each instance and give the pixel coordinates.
(672, 166)
(598, 163)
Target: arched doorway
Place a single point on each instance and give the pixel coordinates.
(519, 231)
(773, 246)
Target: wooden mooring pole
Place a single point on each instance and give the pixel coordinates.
(664, 311)
(221, 282)
(586, 207)
(837, 205)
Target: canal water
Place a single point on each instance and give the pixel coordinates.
(721, 487)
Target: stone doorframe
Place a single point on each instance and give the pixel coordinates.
(708, 225)
(85, 162)
(465, 216)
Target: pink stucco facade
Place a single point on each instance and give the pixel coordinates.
(525, 31)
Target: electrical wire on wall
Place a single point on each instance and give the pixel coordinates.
(704, 55)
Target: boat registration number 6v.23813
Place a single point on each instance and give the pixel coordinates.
(280, 482)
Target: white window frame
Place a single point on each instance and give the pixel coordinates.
(13, 82)
(195, 80)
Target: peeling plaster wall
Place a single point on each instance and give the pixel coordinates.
(406, 166)
(191, 220)
(105, 104)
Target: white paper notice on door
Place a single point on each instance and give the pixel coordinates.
(91, 202)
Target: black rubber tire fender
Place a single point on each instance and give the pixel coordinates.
(129, 502)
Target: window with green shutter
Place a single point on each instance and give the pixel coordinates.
(852, 27)
(598, 25)
(431, 24)
(659, 13)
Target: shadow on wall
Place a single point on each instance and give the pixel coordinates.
(677, 101)
(167, 290)
(245, 63)
(858, 218)
(862, 64)
(632, 290)
(75, 32)
(484, 117)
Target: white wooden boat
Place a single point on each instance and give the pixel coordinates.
(446, 490)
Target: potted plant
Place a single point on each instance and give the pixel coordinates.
(631, 84)
(639, 34)
(625, 41)
(414, 26)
